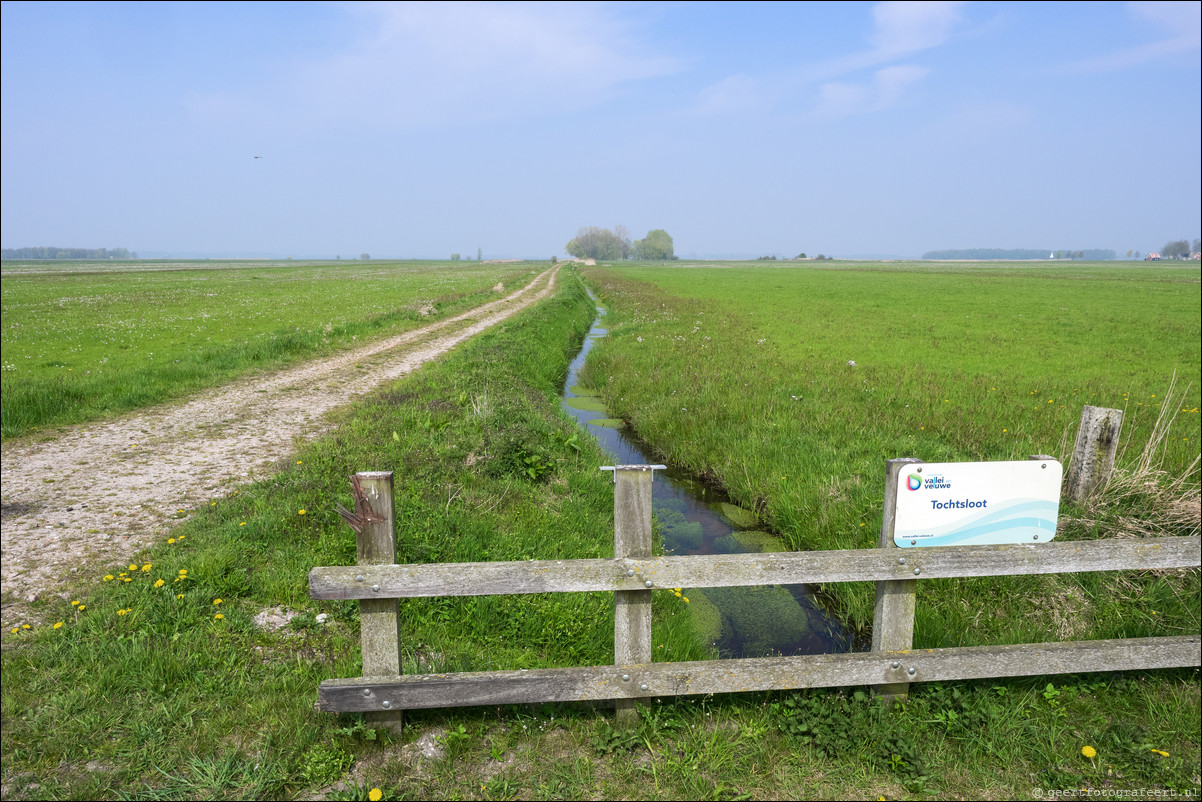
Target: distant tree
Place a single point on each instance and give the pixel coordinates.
(656, 246)
(479, 254)
(623, 236)
(597, 243)
(1129, 252)
(1137, 254)
(801, 255)
(454, 257)
(338, 258)
(365, 256)
(1197, 246)
(1177, 249)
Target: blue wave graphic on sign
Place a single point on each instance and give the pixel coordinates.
(1034, 517)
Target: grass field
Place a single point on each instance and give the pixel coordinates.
(791, 385)
(154, 688)
(83, 341)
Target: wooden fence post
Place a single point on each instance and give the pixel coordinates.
(1093, 453)
(632, 608)
(893, 615)
(379, 619)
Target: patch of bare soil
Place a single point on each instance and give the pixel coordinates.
(97, 493)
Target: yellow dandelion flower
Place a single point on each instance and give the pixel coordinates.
(213, 504)
(159, 583)
(126, 579)
(183, 572)
(686, 599)
(375, 795)
(133, 567)
(242, 524)
(179, 595)
(300, 462)
(26, 626)
(82, 607)
(108, 577)
(59, 625)
(1089, 752)
(75, 603)
(1161, 752)
(300, 512)
(170, 541)
(122, 612)
(216, 601)
(219, 616)
(146, 567)
(14, 630)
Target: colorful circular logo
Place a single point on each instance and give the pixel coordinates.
(913, 482)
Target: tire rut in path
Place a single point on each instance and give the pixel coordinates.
(97, 493)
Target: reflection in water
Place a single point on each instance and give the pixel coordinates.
(694, 519)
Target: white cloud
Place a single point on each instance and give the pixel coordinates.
(903, 28)
(887, 88)
(420, 64)
(1180, 27)
(900, 29)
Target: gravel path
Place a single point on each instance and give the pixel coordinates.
(97, 493)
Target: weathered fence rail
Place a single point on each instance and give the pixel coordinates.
(634, 574)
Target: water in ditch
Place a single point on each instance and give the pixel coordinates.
(696, 519)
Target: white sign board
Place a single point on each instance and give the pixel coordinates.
(977, 503)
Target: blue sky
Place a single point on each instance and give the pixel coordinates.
(418, 130)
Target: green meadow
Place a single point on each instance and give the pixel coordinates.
(159, 683)
(83, 341)
(790, 386)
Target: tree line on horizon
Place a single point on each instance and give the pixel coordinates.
(986, 254)
(1180, 248)
(602, 243)
(52, 252)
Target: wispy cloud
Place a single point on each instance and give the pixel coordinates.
(838, 99)
(1180, 29)
(900, 30)
(737, 94)
(427, 64)
(905, 28)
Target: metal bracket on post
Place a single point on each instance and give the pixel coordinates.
(615, 468)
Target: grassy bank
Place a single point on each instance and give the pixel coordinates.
(154, 691)
(82, 342)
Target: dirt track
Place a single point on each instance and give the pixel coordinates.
(95, 494)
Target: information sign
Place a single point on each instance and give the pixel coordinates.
(977, 503)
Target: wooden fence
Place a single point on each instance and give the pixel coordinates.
(634, 574)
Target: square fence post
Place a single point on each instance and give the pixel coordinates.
(379, 619)
(893, 615)
(632, 608)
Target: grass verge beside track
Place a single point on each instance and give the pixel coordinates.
(86, 342)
